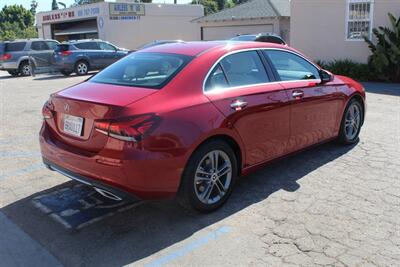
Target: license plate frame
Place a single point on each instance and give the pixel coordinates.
(73, 125)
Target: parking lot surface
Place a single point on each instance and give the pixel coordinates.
(330, 205)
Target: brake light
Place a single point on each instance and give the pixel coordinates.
(5, 57)
(131, 129)
(47, 110)
(66, 53)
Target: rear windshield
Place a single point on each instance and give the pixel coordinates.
(62, 48)
(14, 47)
(150, 70)
(244, 38)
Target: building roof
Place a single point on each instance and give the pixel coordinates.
(251, 9)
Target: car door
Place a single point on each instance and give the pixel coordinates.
(314, 109)
(241, 88)
(109, 54)
(41, 53)
(93, 53)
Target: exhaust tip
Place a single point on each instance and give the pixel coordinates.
(107, 194)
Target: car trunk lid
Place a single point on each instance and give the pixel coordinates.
(90, 102)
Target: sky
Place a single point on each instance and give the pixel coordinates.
(45, 5)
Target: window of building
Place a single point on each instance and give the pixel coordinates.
(359, 19)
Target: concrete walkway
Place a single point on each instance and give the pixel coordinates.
(19, 249)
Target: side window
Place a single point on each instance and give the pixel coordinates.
(244, 68)
(87, 46)
(51, 44)
(39, 46)
(14, 47)
(291, 67)
(216, 79)
(105, 46)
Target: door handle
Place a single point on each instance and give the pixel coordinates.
(298, 94)
(238, 104)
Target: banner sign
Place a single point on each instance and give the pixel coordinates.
(126, 10)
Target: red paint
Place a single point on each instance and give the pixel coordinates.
(272, 125)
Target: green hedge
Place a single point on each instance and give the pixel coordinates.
(347, 67)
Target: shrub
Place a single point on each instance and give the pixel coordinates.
(347, 67)
(385, 56)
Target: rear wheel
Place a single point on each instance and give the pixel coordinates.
(13, 73)
(81, 68)
(209, 177)
(25, 68)
(351, 123)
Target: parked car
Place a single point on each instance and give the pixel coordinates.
(187, 120)
(15, 56)
(159, 42)
(261, 37)
(84, 55)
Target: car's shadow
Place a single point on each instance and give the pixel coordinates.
(146, 229)
(383, 88)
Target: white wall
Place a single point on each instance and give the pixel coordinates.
(161, 21)
(318, 28)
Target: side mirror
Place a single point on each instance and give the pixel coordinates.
(325, 76)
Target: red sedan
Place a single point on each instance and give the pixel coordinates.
(185, 120)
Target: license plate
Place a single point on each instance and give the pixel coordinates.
(73, 125)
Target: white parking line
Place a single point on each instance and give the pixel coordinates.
(19, 249)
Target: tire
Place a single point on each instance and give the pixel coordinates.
(14, 73)
(25, 68)
(66, 72)
(193, 191)
(81, 67)
(350, 126)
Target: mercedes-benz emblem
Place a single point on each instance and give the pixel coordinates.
(66, 107)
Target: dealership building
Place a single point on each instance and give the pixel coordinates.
(125, 24)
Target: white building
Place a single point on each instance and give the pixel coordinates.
(128, 25)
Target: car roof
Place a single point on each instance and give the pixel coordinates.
(197, 48)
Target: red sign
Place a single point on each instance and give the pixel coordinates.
(58, 16)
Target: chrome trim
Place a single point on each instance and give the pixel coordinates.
(238, 104)
(256, 84)
(296, 94)
(102, 192)
(107, 194)
(69, 175)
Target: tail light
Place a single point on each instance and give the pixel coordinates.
(47, 110)
(66, 53)
(5, 57)
(131, 129)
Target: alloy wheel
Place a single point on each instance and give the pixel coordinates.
(82, 68)
(352, 121)
(213, 177)
(26, 70)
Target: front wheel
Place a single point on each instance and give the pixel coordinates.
(351, 123)
(209, 177)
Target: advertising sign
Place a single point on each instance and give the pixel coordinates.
(126, 9)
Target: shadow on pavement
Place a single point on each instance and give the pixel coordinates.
(131, 235)
(382, 88)
(61, 76)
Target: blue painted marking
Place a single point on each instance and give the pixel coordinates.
(189, 247)
(31, 168)
(21, 154)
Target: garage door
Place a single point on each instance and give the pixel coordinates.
(227, 32)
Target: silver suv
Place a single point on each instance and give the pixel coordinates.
(18, 56)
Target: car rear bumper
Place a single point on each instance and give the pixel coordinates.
(8, 65)
(118, 168)
(103, 188)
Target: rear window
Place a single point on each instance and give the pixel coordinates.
(62, 48)
(150, 70)
(14, 47)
